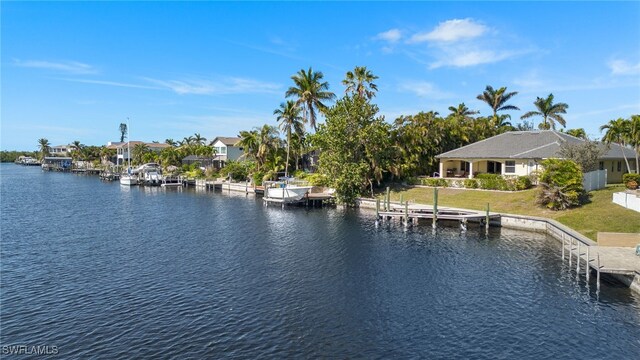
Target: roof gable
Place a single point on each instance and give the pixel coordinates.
(228, 141)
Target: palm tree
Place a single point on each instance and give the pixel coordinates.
(123, 131)
(618, 133)
(76, 149)
(267, 142)
(290, 119)
(171, 142)
(497, 100)
(310, 92)
(635, 138)
(44, 146)
(579, 133)
(138, 153)
(249, 142)
(360, 82)
(199, 139)
(549, 111)
(462, 112)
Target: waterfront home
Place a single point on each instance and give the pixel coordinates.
(60, 150)
(60, 163)
(519, 153)
(226, 148)
(122, 154)
(205, 162)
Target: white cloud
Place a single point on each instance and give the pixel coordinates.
(622, 67)
(424, 89)
(458, 57)
(113, 83)
(225, 86)
(451, 31)
(392, 36)
(70, 67)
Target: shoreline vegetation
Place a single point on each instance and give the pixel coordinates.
(356, 151)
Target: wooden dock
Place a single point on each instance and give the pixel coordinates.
(309, 200)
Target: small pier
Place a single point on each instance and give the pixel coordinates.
(309, 200)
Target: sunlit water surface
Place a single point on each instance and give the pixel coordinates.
(104, 271)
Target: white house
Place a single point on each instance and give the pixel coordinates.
(122, 149)
(59, 150)
(519, 153)
(226, 149)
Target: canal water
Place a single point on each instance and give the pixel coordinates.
(96, 270)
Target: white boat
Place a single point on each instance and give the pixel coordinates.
(129, 178)
(287, 192)
(151, 174)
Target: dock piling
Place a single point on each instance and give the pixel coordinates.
(486, 221)
(435, 206)
(570, 248)
(598, 274)
(578, 260)
(588, 265)
(387, 206)
(563, 245)
(406, 214)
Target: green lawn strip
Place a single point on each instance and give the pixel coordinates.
(601, 214)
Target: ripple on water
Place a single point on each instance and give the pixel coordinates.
(103, 271)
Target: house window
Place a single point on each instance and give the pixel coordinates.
(601, 165)
(509, 167)
(222, 150)
(494, 167)
(619, 166)
(464, 166)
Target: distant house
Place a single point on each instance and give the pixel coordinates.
(57, 163)
(226, 149)
(205, 162)
(122, 149)
(518, 153)
(59, 150)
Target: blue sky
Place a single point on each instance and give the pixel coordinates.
(75, 71)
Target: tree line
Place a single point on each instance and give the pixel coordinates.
(356, 148)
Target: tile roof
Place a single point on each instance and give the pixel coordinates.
(538, 144)
(229, 141)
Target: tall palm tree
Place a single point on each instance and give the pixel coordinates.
(360, 81)
(289, 117)
(497, 100)
(44, 146)
(618, 133)
(123, 131)
(310, 92)
(549, 111)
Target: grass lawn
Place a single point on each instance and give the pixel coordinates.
(601, 214)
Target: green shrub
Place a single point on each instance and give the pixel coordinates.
(435, 182)
(560, 184)
(317, 179)
(630, 177)
(471, 183)
(523, 183)
(492, 182)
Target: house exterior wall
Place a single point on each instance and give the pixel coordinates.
(616, 168)
(233, 153)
